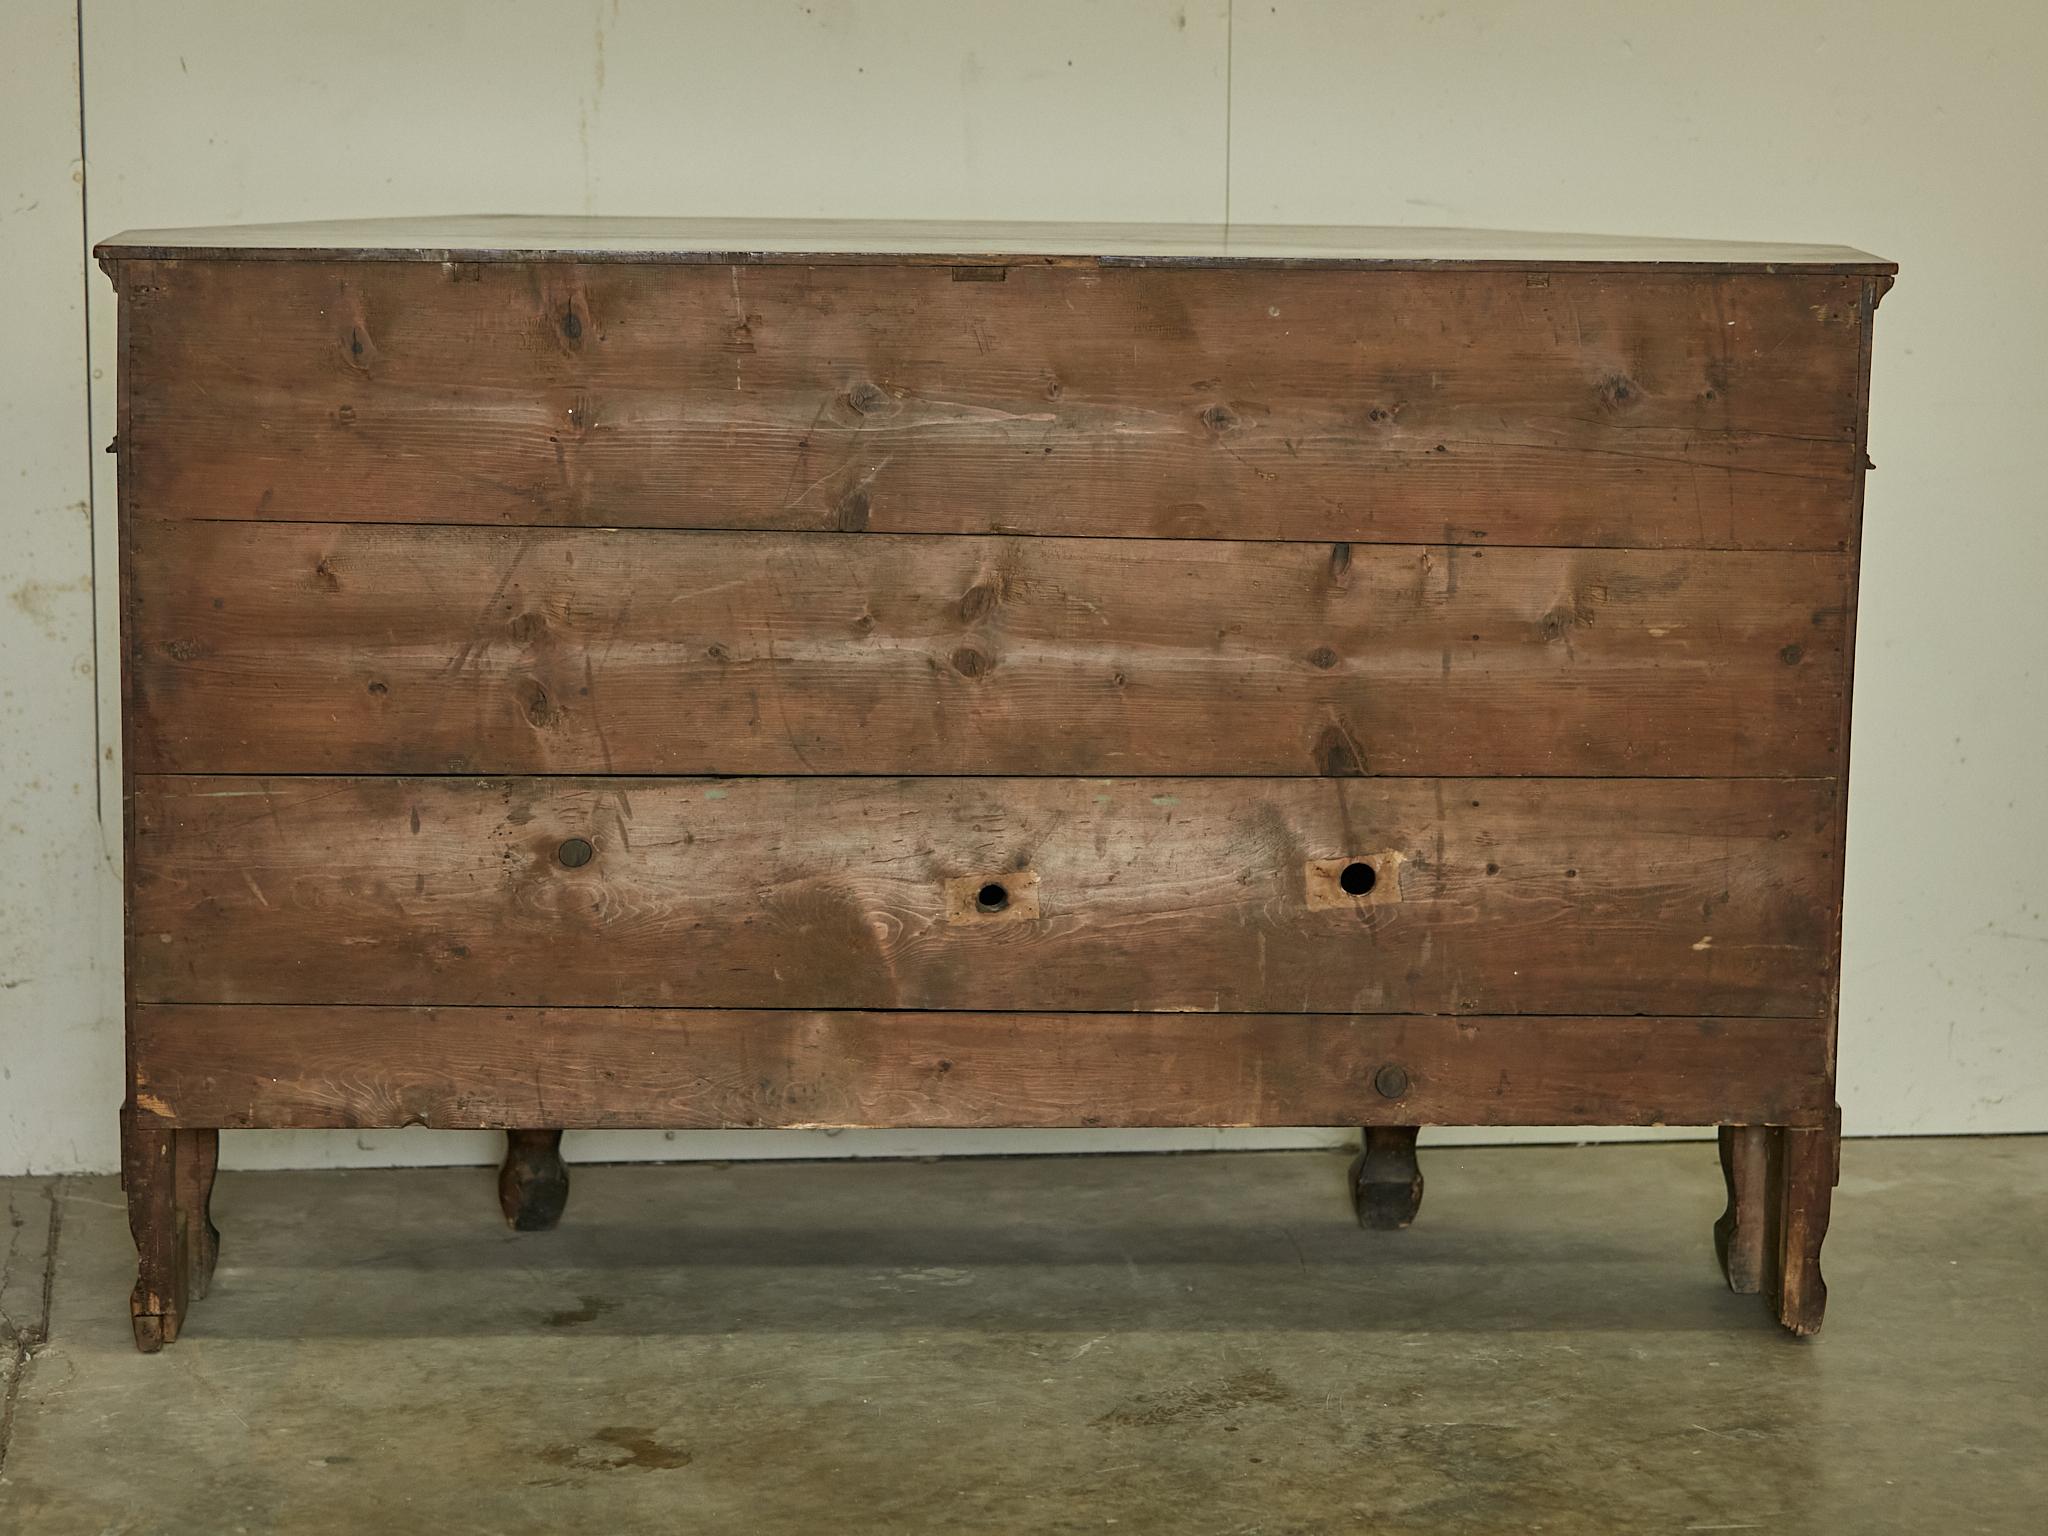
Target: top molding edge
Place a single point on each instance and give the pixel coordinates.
(524, 238)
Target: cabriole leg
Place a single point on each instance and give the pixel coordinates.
(1739, 1236)
(533, 1184)
(1809, 1164)
(1386, 1180)
(149, 1176)
(198, 1158)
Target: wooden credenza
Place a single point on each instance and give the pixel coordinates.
(690, 674)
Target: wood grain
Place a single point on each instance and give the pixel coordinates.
(1568, 408)
(332, 648)
(1517, 895)
(694, 1068)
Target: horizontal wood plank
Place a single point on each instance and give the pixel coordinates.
(1514, 895)
(337, 648)
(1570, 408)
(708, 1069)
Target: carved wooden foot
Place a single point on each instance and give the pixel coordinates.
(168, 1176)
(1386, 1181)
(533, 1185)
(1807, 1164)
(1741, 1233)
(149, 1177)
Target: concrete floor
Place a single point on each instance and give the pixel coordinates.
(1174, 1344)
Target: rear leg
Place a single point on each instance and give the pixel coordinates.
(1740, 1234)
(198, 1155)
(533, 1184)
(1386, 1180)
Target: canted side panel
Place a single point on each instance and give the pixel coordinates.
(702, 1068)
(1573, 408)
(1484, 896)
(339, 648)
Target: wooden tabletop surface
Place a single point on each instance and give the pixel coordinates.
(844, 241)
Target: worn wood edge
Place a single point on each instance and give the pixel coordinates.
(360, 1066)
(1873, 293)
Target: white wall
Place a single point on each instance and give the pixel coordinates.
(60, 956)
(1914, 131)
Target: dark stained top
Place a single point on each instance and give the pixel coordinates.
(852, 242)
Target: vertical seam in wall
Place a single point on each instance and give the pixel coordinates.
(1229, 100)
(92, 543)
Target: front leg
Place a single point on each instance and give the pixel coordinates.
(533, 1184)
(149, 1178)
(1809, 1163)
(167, 1176)
(1386, 1180)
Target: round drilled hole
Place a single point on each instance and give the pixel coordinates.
(1357, 878)
(575, 853)
(992, 897)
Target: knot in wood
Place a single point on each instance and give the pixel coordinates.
(867, 398)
